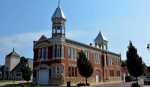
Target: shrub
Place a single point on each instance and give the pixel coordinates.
(128, 79)
(83, 84)
(135, 85)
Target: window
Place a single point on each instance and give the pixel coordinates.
(58, 31)
(97, 58)
(34, 73)
(69, 71)
(54, 31)
(72, 53)
(118, 73)
(76, 71)
(57, 70)
(69, 52)
(43, 53)
(18, 74)
(58, 27)
(57, 51)
(54, 70)
(72, 71)
(109, 61)
(111, 73)
(50, 73)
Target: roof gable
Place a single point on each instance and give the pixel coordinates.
(42, 38)
(13, 53)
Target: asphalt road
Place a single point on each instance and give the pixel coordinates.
(114, 85)
(146, 86)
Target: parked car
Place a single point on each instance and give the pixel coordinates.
(130, 78)
(147, 80)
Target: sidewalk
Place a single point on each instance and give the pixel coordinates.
(102, 83)
(91, 84)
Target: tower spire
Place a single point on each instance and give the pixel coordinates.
(58, 22)
(58, 3)
(13, 50)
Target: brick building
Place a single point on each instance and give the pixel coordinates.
(55, 58)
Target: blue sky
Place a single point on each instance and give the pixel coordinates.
(22, 21)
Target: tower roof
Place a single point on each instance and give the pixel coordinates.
(58, 13)
(13, 53)
(100, 38)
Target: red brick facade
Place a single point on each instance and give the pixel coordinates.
(106, 71)
(55, 59)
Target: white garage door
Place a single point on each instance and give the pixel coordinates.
(97, 78)
(43, 76)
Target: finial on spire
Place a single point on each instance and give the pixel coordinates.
(13, 49)
(58, 3)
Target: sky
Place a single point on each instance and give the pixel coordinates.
(121, 21)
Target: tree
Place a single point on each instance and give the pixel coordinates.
(134, 62)
(25, 69)
(27, 73)
(123, 63)
(84, 66)
(148, 68)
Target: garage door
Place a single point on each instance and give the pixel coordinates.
(97, 78)
(43, 76)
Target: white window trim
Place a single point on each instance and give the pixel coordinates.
(72, 53)
(59, 51)
(41, 53)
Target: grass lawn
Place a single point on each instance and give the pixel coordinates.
(7, 81)
(20, 85)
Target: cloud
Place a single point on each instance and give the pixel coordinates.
(20, 40)
(26, 39)
(23, 42)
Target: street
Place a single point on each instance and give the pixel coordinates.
(121, 84)
(147, 86)
(114, 85)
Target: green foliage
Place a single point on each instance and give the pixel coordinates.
(135, 85)
(27, 73)
(124, 63)
(84, 66)
(148, 68)
(134, 62)
(25, 69)
(23, 60)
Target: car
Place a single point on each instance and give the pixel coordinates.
(147, 80)
(130, 79)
